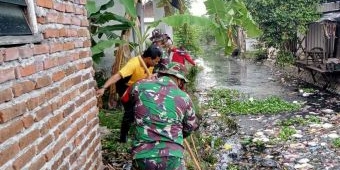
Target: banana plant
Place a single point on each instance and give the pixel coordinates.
(99, 26)
(226, 15)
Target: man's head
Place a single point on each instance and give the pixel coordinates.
(157, 37)
(152, 55)
(176, 70)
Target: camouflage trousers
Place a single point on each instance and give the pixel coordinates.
(160, 163)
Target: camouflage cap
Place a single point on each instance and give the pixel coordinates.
(156, 35)
(175, 69)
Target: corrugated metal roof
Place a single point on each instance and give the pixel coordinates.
(330, 17)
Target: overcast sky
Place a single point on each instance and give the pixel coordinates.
(198, 8)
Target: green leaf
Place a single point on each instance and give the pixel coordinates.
(179, 20)
(91, 7)
(96, 57)
(102, 18)
(107, 5)
(117, 27)
(130, 7)
(104, 44)
(216, 8)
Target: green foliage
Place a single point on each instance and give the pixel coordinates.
(286, 132)
(293, 121)
(110, 119)
(100, 20)
(336, 142)
(226, 15)
(280, 20)
(284, 58)
(233, 102)
(233, 167)
(188, 36)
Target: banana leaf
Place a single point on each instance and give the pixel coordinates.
(130, 7)
(104, 44)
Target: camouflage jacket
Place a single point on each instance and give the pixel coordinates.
(162, 113)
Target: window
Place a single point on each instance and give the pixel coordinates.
(18, 22)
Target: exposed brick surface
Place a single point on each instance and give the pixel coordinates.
(7, 74)
(43, 82)
(11, 54)
(9, 113)
(41, 49)
(27, 121)
(24, 159)
(38, 163)
(23, 87)
(8, 153)
(5, 95)
(11, 130)
(45, 3)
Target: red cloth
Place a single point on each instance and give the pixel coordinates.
(181, 56)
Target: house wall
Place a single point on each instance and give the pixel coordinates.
(48, 113)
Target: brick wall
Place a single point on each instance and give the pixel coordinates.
(48, 113)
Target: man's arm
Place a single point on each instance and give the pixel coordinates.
(189, 59)
(113, 79)
(190, 120)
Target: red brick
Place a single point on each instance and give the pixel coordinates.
(55, 120)
(12, 112)
(83, 32)
(8, 153)
(41, 20)
(28, 138)
(50, 62)
(68, 46)
(64, 20)
(58, 76)
(24, 71)
(23, 87)
(84, 23)
(42, 113)
(76, 21)
(38, 163)
(6, 95)
(11, 130)
(45, 129)
(75, 56)
(64, 59)
(87, 43)
(45, 3)
(24, 159)
(69, 8)
(11, 54)
(44, 143)
(51, 33)
(43, 82)
(68, 110)
(84, 54)
(59, 6)
(56, 47)
(25, 52)
(7, 74)
(49, 155)
(27, 121)
(51, 93)
(79, 11)
(60, 144)
(71, 132)
(41, 49)
(82, 2)
(52, 18)
(34, 102)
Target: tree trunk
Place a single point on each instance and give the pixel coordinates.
(241, 41)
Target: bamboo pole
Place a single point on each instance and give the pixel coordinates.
(192, 155)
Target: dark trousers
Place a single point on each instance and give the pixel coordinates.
(127, 121)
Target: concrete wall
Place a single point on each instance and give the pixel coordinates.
(48, 113)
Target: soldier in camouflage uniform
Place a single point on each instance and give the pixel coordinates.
(163, 117)
(161, 40)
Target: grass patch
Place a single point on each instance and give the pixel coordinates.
(336, 142)
(233, 102)
(110, 119)
(299, 121)
(286, 133)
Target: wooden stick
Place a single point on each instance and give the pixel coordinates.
(144, 65)
(192, 155)
(193, 143)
